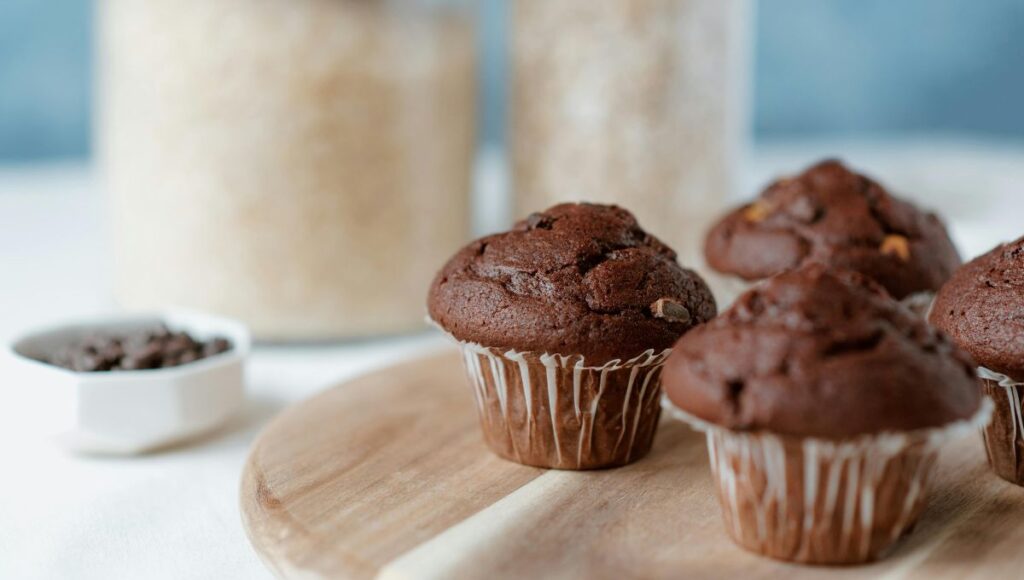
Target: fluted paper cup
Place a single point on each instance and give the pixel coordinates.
(1004, 436)
(819, 501)
(565, 412)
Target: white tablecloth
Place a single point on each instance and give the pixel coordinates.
(174, 514)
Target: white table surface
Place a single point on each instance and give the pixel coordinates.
(174, 514)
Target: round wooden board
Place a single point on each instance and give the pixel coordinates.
(387, 476)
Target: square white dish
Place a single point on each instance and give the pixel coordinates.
(127, 412)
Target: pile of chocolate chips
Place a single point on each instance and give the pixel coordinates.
(153, 348)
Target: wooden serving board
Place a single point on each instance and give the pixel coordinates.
(387, 476)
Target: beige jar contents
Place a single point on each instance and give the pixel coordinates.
(636, 102)
(303, 165)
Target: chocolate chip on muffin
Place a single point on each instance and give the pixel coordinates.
(565, 322)
(982, 308)
(817, 381)
(831, 215)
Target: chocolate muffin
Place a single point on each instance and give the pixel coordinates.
(831, 215)
(982, 308)
(825, 403)
(565, 322)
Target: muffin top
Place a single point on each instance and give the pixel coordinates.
(831, 215)
(821, 353)
(575, 279)
(982, 308)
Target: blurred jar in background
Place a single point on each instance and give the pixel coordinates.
(636, 102)
(303, 165)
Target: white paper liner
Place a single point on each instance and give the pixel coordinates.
(503, 375)
(1001, 445)
(740, 458)
(1013, 399)
(510, 368)
(998, 378)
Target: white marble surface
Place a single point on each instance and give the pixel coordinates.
(174, 514)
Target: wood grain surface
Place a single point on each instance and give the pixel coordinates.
(387, 476)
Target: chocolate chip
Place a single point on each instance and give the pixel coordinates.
(90, 362)
(216, 346)
(149, 348)
(149, 357)
(671, 310)
(177, 344)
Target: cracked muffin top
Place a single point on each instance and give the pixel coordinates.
(831, 215)
(575, 279)
(816, 352)
(982, 308)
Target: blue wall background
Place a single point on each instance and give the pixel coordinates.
(45, 71)
(869, 66)
(822, 67)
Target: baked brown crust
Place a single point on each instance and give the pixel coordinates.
(833, 216)
(982, 309)
(575, 279)
(821, 353)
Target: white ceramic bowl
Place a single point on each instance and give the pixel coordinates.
(126, 412)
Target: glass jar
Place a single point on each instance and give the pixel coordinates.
(635, 102)
(303, 165)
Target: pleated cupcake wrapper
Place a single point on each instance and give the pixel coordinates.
(999, 378)
(1004, 436)
(558, 411)
(820, 501)
(563, 411)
